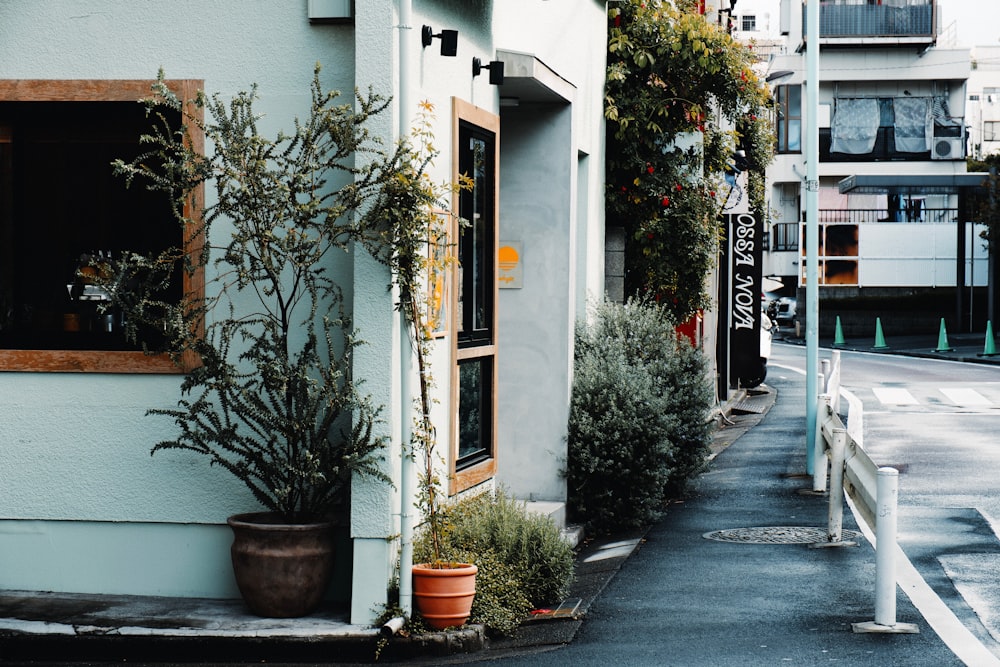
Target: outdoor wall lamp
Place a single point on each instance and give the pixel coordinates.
(449, 39)
(495, 67)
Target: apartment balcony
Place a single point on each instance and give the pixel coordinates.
(948, 143)
(889, 22)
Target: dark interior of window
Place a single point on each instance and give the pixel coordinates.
(474, 317)
(474, 409)
(60, 206)
(475, 247)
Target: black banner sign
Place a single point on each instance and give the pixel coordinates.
(745, 254)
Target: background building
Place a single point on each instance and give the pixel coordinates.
(892, 118)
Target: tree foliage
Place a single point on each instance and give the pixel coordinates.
(271, 397)
(674, 80)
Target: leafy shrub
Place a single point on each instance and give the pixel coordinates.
(638, 427)
(500, 603)
(523, 560)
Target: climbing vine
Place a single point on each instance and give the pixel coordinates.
(674, 83)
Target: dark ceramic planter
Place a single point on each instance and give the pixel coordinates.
(282, 570)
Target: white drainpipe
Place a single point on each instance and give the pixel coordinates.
(403, 107)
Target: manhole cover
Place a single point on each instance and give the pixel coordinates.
(777, 535)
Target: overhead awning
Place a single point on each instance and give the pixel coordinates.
(528, 79)
(929, 184)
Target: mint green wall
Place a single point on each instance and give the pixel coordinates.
(83, 505)
(117, 558)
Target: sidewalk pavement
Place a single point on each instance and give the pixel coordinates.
(753, 594)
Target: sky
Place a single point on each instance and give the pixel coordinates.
(977, 21)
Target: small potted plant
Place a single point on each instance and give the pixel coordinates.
(269, 395)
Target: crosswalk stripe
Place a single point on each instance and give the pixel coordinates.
(965, 396)
(894, 396)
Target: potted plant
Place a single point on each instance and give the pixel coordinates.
(410, 211)
(269, 396)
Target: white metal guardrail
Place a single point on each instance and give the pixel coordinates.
(873, 490)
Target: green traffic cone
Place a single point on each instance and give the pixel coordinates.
(879, 338)
(943, 340)
(989, 349)
(838, 336)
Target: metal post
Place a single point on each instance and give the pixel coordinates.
(819, 444)
(812, 223)
(833, 381)
(835, 515)
(885, 546)
(886, 502)
(991, 257)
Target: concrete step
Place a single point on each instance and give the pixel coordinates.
(556, 510)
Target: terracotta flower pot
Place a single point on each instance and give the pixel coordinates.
(443, 595)
(282, 569)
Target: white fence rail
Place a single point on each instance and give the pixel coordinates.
(873, 490)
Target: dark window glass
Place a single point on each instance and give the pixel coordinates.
(789, 123)
(476, 287)
(475, 248)
(60, 205)
(474, 409)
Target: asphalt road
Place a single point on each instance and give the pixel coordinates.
(937, 422)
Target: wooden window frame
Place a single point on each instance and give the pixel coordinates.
(107, 90)
(481, 471)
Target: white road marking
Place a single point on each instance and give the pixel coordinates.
(965, 396)
(965, 645)
(894, 396)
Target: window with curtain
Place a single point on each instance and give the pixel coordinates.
(914, 124)
(855, 125)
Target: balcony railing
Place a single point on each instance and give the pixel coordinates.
(943, 147)
(907, 211)
(785, 235)
(841, 20)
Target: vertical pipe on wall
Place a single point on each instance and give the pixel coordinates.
(812, 225)
(405, 352)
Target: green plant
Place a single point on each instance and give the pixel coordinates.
(272, 398)
(671, 78)
(638, 427)
(523, 560)
(412, 241)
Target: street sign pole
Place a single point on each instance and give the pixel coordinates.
(812, 226)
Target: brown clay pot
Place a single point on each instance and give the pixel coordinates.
(282, 569)
(443, 595)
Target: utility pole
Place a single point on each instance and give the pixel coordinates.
(812, 227)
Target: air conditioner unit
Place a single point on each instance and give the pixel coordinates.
(947, 148)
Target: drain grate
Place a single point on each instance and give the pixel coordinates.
(748, 407)
(776, 535)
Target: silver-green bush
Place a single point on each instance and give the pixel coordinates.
(523, 561)
(638, 427)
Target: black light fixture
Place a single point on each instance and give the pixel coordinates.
(495, 67)
(449, 39)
